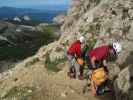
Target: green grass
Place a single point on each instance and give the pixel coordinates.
(48, 29)
(47, 35)
(52, 66)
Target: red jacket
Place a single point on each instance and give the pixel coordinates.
(75, 48)
(100, 53)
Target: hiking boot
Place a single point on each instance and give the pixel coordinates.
(102, 90)
(71, 75)
(107, 89)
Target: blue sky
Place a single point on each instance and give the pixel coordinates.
(32, 3)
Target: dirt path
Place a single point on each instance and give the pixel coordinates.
(74, 88)
(56, 86)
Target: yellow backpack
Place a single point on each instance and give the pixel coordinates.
(99, 76)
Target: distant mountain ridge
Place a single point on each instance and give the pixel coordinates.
(45, 15)
(52, 7)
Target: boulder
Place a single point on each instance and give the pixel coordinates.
(124, 84)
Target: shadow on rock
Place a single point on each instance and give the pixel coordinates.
(123, 85)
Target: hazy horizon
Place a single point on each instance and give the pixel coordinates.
(36, 4)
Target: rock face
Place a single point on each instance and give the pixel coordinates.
(104, 21)
(124, 84)
(109, 20)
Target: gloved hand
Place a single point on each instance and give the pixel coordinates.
(80, 61)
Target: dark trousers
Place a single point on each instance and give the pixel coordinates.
(89, 64)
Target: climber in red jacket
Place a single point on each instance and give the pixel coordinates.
(96, 56)
(74, 54)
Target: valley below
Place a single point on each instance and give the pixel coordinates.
(18, 42)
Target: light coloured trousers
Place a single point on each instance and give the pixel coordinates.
(73, 64)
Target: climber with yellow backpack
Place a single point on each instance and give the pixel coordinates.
(95, 61)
